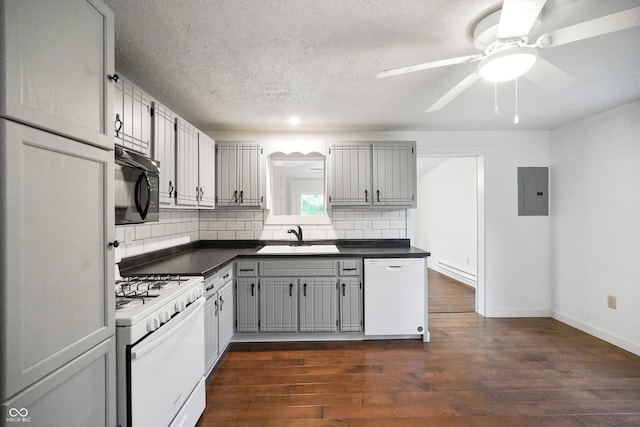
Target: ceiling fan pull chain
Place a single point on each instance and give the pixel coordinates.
(516, 119)
(495, 99)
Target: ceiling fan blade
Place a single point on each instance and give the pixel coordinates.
(430, 65)
(548, 76)
(517, 17)
(595, 27)
(454, 92)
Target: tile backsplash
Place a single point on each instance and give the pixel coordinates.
(177, 227)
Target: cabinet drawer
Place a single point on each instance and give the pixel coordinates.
(298, 267)
(246, 269)
(350, 267)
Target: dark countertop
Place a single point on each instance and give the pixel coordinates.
(205, 258)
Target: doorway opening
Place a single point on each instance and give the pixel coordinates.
(449, 222)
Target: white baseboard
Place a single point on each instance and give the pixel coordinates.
(460, 275)
(597, 332)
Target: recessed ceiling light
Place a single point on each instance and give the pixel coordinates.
(294, 120)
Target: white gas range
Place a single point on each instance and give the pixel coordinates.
(160, 350)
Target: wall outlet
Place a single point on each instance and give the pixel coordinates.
(366, 225)
(611, 301)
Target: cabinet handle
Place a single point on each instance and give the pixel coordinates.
(114, 78)
(366, 195)
(344, 293)
(378, 194)
(235, 196)
(201, 193)
(245, 269)
(290, 289)
(349, 269)
(241, 196)
(115, 243)
(304, 289)
(216, 305)
(221, 303)
(252, 286)
(118, 125)
(225, 276)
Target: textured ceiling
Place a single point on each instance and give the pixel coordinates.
(249, 64)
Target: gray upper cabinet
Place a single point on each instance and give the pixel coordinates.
(164, 150)
(394, 174)
(186, 164)
(206, 172)
(239, 175)
(350, 174)
(195, 163)
(372, 174)
(58, 64)
(132, 117)
(56, 275)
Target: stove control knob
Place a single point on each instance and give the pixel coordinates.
(164, 316)
(191, 297)
(153, 324)
(180, 305)
(200, 292)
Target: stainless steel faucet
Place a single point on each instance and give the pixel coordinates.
(297, 233)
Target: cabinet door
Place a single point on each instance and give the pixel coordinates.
(58, 57)
(250, 175)
(227, 185)
(57, 219)
(278, 304)
(394, 174)
(247, 304)
(133, 126)
(164, 150)
(350, 174)
(81, 393)
(350, 304)
(186, 164)
(225, 325)
(239, 181)
(206, 174)
(318, 304)
(210, 332)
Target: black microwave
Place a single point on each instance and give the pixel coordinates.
(137, 188)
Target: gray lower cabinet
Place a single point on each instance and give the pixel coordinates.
(278, 304)
(301, 295)
(350, 304)
(247, 304)
(218, 316)
(318, 304)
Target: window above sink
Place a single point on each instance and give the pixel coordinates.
(296, 183)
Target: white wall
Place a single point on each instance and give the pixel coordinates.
(595, 193)
(516, 270)
(445, 220)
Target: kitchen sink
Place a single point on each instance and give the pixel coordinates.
(303, 249)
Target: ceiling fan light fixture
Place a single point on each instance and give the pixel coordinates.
(507, 64)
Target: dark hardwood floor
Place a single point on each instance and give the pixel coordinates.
(447, 295)
(474, 372)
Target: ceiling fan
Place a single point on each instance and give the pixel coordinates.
(503, 37)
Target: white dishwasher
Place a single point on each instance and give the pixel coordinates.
(395, 297)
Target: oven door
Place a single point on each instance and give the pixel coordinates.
(165, 367)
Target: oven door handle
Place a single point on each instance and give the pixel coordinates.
(167, 331)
